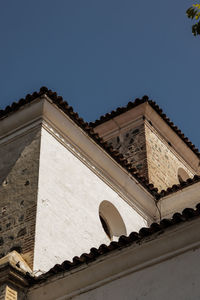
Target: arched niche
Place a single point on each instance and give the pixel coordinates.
(111, 220)
(182, 175)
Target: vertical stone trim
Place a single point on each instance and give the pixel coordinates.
(29, 241)
(11, 294)
(2, 292)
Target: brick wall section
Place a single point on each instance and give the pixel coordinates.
(132, 145)
(163, 164)
(150, 154)
(19, 167)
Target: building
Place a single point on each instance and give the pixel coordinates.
(106, 210)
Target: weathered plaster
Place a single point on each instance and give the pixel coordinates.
(69, 196)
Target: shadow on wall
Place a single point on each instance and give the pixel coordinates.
(12, 151)
(111, 220)
(182, 175)
(19, 167)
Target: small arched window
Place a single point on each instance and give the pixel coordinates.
(111, 220)
(182, 175)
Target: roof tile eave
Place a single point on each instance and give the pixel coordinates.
(178, 187)
(153, 104)
(124, 241)
(68, 110)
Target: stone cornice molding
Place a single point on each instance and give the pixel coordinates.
(176, 202)
(8, 274)
(101, 173)
(98, 160)
(43, 111)
(126, 119)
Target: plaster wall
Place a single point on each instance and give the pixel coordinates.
(163, 162)
(69, 196)
(177, 278)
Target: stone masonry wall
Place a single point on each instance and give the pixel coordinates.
(19, 166)
(132, 145)
(163, 164)
(153, 157)
(2, 292)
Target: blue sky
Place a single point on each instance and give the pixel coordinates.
(101, 54)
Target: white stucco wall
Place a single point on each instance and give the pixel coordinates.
(174, 279)
(69, 196)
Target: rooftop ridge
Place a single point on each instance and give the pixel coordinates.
(154, 105)
(68, 110)
(118, 157)
(123, 242)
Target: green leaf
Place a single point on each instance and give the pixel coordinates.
(194, 13)
(196, 5)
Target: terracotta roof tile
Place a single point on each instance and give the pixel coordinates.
(178, 187)
(88, 128)
(153, 104)
(124, 241)
(134, 237)
(68, 110)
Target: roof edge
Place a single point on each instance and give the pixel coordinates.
(153, 104)
(187, 214)
(178, 187)
(68, 110)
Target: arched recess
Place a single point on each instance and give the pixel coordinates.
(182, 175)
(111, 220)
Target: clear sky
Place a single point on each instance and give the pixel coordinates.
(100, 54)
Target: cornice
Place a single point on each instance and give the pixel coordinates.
(136, 123)
(98, 161)
(44, 112)
(68, 111)
(145, 99)
(179, 196)
(8, 274)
